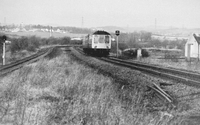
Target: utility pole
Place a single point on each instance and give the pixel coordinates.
(82, 23)
(4, 20)
(117, 34)
(155, 24)
(4, 23)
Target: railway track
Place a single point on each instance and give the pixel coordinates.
(189, 78)
(18, 64)
(148, 69)
(156, 88)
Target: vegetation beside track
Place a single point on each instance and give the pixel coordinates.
(61, 91)
(186, 101)
(21, 47)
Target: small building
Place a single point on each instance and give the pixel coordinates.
(192, 47)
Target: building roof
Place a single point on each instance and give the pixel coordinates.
(100, 32)
(197, 38)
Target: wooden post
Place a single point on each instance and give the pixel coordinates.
(117, 32)
(117, 46)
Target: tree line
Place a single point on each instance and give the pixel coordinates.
(143, 39)
(126, 40)
(33, 43)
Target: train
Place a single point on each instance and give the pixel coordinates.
(97, 43)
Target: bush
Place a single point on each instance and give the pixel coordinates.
(130, 53)
(145, 53)
(31, 48)
(65, 40)
(15, 46)
(121, 46)
(22, 43)
(34, 41)
(52, 41)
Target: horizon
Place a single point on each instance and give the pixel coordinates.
(100, 13)
(112, 26)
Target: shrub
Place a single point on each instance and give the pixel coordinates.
(31, 48)
(22, 43)
(34, 41)
(121, 46)
(145, 53)
(65, 40)
(52, 41)
(15, 46)
(132, 53)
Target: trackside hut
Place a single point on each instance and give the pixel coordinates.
(192, 47)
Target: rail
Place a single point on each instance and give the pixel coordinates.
(186, 77)
(153, 86)
(19, 63)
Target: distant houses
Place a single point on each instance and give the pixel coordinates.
(15, 30)
(23, 29)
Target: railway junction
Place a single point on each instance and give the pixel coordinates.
(163, 85)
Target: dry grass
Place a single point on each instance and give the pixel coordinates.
(179, 63)
(61, 91)
(16, 56)
(158, 58)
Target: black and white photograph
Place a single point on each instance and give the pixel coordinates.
(99, 62)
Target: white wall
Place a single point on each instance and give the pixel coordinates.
(194, 47)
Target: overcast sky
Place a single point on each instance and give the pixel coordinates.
(132, 13)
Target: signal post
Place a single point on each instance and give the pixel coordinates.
(117, 32)
(4, 41)
(4, 38)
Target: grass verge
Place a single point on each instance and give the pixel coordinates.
(62, 91)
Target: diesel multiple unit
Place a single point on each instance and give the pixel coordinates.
(98, 43)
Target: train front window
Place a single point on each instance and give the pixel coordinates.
(96, 39)
(107, 39)
(101, 39)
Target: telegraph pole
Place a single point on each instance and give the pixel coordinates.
(155, 24)
(4, 20)
(117, 34)
(4, 23)
(82, 23)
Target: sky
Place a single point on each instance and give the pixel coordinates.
(96, 13)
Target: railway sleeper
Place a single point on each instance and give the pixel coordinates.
(165, 84)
